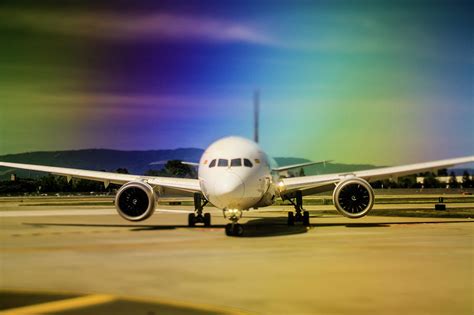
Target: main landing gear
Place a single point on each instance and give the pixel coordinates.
(300, 214)
(198, 216)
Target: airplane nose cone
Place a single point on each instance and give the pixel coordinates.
(228, 188)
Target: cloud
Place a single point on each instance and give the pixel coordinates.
(119, 26)
(46, 100)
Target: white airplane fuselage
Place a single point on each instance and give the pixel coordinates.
(235, 174)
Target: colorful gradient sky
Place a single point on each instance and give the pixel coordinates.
(368, 83)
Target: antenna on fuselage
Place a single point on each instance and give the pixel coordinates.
(256, 112)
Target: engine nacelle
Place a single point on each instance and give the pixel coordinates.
(353, 197)
(135, 201)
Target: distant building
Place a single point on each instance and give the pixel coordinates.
(442, 179)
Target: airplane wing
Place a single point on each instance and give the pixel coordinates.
(175, 184)
(295, 166)
(190, 163)
(318, 183)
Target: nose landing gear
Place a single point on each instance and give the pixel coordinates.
(300, 214)
(198, 216)
(234, 228)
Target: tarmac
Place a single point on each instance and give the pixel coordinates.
(83, 259)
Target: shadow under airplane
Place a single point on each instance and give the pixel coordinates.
(260, 227)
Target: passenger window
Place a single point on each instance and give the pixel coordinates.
(248, 163)
(236, 162)
(223, 163)
(213, 163)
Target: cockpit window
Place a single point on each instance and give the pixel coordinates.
(223, 163)
(213, 163)
(248, 163)
(235, 162)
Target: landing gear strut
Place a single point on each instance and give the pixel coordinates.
(198, 216)
(300, 214)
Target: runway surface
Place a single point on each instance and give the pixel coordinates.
(388, 265)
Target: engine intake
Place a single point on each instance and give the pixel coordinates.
(353, 197)
(135, 201)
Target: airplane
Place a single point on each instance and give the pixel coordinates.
(235, 175)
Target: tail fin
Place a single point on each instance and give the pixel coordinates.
(256, 112)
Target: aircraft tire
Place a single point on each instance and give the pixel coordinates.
(306, 218)
(291, 218)
(238, 230)
(207, 219)
(228, 230)
(191, 219)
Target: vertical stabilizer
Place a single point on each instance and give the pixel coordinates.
(256, 112)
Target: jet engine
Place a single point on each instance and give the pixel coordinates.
(353, 197)
(135, 201)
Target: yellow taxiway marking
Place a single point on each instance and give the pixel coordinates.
(62, 305)
(96, 299)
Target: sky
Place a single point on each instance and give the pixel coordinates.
(356, 82)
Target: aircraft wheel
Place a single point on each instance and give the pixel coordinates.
(191, 219)
(291, 218)
(207, 219)
(228, 230)
(238, 230)
(306, 218)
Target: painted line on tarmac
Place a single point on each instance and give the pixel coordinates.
(61, 305)
(50, 213)
(54, 213)
(173, 211)
(98, 299)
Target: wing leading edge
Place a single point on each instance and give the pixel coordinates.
(319, 183)
(295, 166)
(179, 184)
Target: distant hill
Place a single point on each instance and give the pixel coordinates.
(138, 162)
